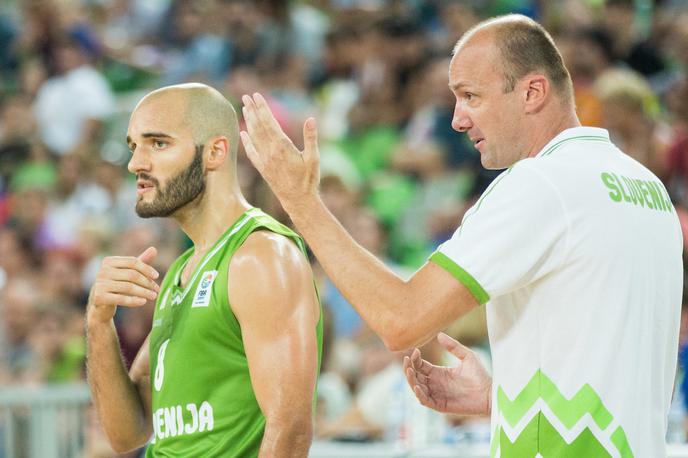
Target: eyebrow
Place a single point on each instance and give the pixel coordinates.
(457, 86)
(150, 135)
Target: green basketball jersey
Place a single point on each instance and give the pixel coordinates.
(203, 403)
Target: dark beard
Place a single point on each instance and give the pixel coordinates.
(179, 191)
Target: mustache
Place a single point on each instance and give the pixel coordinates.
(146, 177)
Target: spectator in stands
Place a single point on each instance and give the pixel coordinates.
(630, 111)
(71, 106)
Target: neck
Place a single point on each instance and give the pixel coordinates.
(552, 126)
(205, 219)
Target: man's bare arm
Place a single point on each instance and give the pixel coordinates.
(402, 313)
(272, 294)
(122, 400)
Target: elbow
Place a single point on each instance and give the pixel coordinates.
(125, 445)
(399, 338)
(296, 431)
(395, 344)
(122, 446)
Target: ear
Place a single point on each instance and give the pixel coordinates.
(218, 152)
(537, 88)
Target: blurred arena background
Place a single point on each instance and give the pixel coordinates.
(374, 73)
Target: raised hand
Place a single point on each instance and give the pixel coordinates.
(292, 174)
(463, 389)
(125, 281)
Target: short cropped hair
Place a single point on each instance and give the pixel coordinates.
(524, 47)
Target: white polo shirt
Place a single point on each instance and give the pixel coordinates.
(578, 251)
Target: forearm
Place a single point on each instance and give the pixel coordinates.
(290, 437)
(115, 396)
(383, 300)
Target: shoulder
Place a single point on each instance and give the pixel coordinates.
(266, 268)
(527, 177)
(267, 248)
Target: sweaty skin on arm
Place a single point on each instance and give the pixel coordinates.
(403, 313)
(271, 293)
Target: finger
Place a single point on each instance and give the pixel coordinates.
(123, 300)
(422, 396)
(310, 141)
(453, 346)
(419, 364)
(421, 379)
(406, 363)
(268, 128)
(248, 102)
(251, 151)
(254, 126)
(130, 289)
(271, 128)
(248, 110)
(264, 113)
(410, 375)
(127, 262)
(412, 380)
(132, 276)
(148, 255)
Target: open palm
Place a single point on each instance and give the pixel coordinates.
(463, 389)
(292, 174)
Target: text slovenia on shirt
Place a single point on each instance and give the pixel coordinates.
(578, 252)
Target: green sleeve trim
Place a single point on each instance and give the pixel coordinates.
(464, 277)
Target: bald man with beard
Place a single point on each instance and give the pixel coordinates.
(230, 365)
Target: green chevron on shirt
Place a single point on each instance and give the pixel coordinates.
(541, 434)
(541, 437)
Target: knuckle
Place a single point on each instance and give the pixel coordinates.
(129, 288)
(103, 272)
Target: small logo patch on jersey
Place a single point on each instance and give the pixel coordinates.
(177, 298)
(202, 296)
(163, 302)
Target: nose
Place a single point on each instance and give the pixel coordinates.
(138, 162)
(461, 122)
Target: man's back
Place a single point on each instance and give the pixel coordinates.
(583, 266)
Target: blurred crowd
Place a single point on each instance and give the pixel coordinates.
(374, 74)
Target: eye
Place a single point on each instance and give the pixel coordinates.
(469, 96)
(159, 144)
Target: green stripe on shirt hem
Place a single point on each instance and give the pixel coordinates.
(464, 277)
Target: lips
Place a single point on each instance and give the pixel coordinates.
(143, 187)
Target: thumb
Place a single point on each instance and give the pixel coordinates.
(453, 346)
(310, 140)
(148, 255)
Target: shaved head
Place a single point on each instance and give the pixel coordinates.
(524, 46)
(206, 112)
(196, 128)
